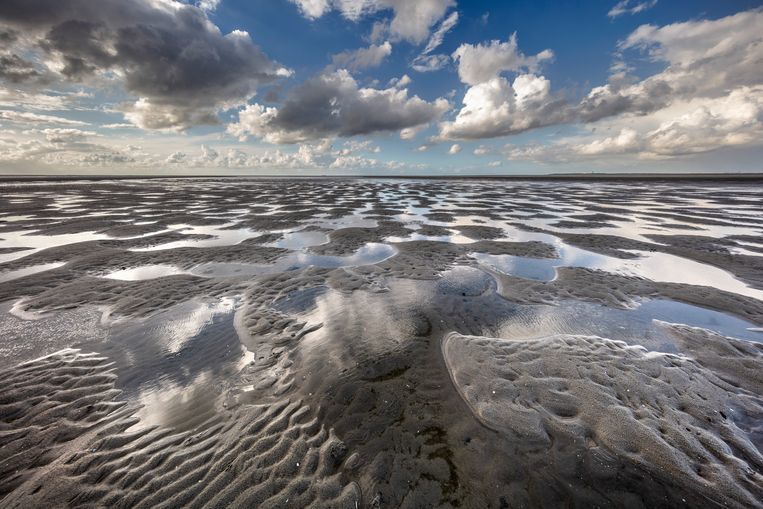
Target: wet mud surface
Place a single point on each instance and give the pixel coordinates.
(380, 343)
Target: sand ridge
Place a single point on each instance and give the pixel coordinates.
(664, 414)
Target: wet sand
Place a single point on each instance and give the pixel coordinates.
(381, 343)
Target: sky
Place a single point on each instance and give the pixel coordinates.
(380, 87)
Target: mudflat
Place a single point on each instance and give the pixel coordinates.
(381, 343)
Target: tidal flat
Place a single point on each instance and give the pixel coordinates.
(352, 343)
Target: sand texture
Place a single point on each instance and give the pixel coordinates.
(661, 415)
(378, 343)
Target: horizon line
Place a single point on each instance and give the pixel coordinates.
(548, 176)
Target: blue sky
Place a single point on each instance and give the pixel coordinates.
(380, 86)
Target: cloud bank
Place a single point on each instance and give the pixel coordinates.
(708, 95)
(181, 68)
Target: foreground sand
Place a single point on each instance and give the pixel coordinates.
(380, 343)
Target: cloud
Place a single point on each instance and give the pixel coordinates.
(177, 158)
(22, 117)
(410, 133)
(705, 58)
(411, 20)
(313, 8)
(426, 61)
(320, 155)
(363, 58)
(14, 69)
(439, 35)
(454, 149)
(686, 127)
(168, 54)
(401, 82)
(333, 104)
(102, 159)
(702, 62)
(56, 147)
(630, 7)
(498, 108)
(208, 154)
(31, 100)
(708, 95)
(694, 126)
(492, 105)
(478, 63)
(351, 146)
(430, 63)
(208, 5)
(73, 150)
(117, 125)
(61, 135)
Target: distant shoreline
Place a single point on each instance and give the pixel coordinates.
(714, 177)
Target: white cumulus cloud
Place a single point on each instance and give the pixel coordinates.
(499, 107)
(411, 20)
(478, 63)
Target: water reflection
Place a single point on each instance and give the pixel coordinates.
(301, 239)
(144, 272)
(369, 254)
(27, 271)
(34, 242)
(176, 406)
(177, 363)
(465, 301)
(660, 267)
(220, 235)
(635, 326)
(454, 238)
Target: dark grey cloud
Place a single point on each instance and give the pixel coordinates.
(15, 69)
(168, 54)
(613, 99)
(332, 104)
(7, 36)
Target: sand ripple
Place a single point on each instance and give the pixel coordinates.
(666, 416)
(340, 349)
